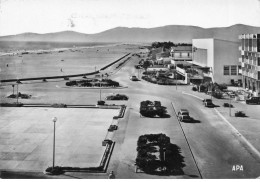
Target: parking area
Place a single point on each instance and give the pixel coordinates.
(26, 137)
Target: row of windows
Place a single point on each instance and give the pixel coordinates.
(231, 70)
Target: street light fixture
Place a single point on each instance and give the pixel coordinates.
(164, 159)
(54, 121)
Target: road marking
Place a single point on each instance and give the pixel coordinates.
(243, 139)
(187, 141)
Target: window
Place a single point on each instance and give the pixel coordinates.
(226, 70)
(239, 68)
(258, 75)
(258, 61)
(234, 70)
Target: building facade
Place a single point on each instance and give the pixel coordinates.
(218, 59)
(181, 53)
(250, 62)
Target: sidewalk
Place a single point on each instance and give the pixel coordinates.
(248, 126)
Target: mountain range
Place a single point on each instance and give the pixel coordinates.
(174, 33)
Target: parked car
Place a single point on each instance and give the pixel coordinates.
(133, 78)
(253, 100)
(208, 103)
(112, 127)
(117, 97)
(227, 105)
(183, 115)
(240, 114)
(183, 112)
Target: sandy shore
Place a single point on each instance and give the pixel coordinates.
(46, 51)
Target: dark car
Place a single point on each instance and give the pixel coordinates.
(253, 100)
(240, 114)
(208, 103)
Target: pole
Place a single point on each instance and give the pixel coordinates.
(211, 91)
(230, 105)
(17, 93)
(13, 89)
(100, 94)
(53, 146)
(176, 79)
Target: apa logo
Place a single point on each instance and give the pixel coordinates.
(237, 168)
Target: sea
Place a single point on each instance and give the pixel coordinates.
(9, 46)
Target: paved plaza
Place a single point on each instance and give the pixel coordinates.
(26, 137)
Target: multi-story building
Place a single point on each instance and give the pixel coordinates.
(250, 62)
(217, 59)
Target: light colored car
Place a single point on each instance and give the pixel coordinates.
(183, 115)
(183, 112)
(133, 78)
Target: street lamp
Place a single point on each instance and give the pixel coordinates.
(54, 121)
(17, 94)
(164, 151)
(229, 105)
(13, 89)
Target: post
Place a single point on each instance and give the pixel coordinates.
(13, 89)
(54, 121)
(17, 94)
(176, 78)
(164, 150)
(230, 105)
(211, 90)
(100, 94)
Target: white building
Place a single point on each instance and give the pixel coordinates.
(218, 58)
(250, 62)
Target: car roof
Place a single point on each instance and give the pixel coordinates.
(184, 110)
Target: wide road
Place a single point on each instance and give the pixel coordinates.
(214, 145)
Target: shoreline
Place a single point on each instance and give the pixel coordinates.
(46, 51)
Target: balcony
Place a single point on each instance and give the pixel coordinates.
(254, 49)
(258, 68)
(242, 52)
(239, 71)
(240, 60)
(242, 64)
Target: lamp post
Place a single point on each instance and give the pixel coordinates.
(176, 78)
(13, 89)
(164, 159)
(230, 105)
(54, 121)
(211, 89)
(17, 94)
(100, 94)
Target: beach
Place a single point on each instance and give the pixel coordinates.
(58, 61)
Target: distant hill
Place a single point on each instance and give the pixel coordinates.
(174, 33)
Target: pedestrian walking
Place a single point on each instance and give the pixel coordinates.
(111, 175)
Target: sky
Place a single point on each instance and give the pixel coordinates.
(93, 16)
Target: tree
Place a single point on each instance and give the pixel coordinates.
(146, 64)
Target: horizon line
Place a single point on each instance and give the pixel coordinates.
(126, 27)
